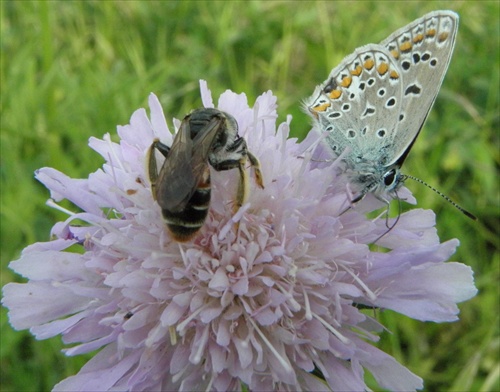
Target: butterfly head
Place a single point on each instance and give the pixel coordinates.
(370, 177)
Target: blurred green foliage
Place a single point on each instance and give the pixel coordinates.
(71, 70)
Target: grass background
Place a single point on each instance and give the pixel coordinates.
(71, 70)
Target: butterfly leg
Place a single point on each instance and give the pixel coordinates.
(389, 227)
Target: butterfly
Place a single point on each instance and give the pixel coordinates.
(375, 102)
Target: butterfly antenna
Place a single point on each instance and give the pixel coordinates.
(462, 210)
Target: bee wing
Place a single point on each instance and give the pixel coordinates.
(185, 165)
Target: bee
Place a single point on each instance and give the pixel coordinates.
(206, 137)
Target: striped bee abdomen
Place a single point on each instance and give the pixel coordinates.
(183, 225)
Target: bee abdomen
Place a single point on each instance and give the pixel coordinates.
(184, 224)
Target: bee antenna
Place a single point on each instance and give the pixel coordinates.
(464, 211)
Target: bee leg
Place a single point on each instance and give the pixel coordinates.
(259, 180)
(242, 193)
(163, 148)
(152, 166)
(238, 156)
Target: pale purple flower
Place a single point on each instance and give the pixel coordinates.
(261, 303)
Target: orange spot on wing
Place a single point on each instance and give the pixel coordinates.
(395, 54)
(382, 68)
(442, 37)
(368, 64)
(418, 38)
(335, 94)
(346, 81)
(405, 47)
(321, 107)
(394, 75)
(357, 70)
(430, 33)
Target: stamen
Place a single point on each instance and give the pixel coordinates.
(307, 305)
(289, 297)
(209, 385)
(283, 361)
(180, 327)
(370, 293)
(173, 335)
(341, 337)
(112, 148)
(51, 203)
(201, 345)
(176, 377)
(183, 254)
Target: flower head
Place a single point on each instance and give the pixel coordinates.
(267, 297)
